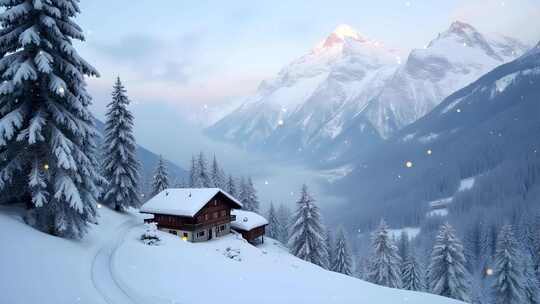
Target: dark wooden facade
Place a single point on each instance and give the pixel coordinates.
(254, 234)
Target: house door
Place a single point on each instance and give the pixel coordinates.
(210, 233)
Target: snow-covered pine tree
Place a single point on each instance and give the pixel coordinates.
(251, 201)
(342, 257)
(204, 175)
(306, 231)
(47, 135)
(217, 176)
(384, 264)
(160, 180)
(274, 226)
(120, 164)
(508, 269)
(330, 246)
(411, 273)
(243, 192)
(531, 285)
(284, 216)
(194, 175)
(403, 245)
(447, 275)
(231, 187)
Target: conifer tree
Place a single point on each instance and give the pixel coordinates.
(284, 216)
(250, 199)
(306, 231)
(160, 181)
(411, 273)
(120, 167)
(231, 187)
(217, 176)
(330, 246)
(194, 175)
(47, 135)
(531, 285)
(243, 192)
(447, 275)
(508, 269)
(204, 176)
(403, 245)
(384, 264)
(274, 226)
(342, 257)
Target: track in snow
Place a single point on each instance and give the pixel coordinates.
(103, 276)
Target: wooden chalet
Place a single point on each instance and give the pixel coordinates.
(251, 225)
(194, 215)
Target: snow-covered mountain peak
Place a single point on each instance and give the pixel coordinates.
(345, 31)
(463, 35)
(342, 36)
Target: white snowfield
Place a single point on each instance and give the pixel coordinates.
(111, 266)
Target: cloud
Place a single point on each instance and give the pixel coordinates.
(148, 58)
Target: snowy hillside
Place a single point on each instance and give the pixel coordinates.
(350, 91)
(112, 266)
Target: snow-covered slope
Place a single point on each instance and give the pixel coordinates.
(112, 266)
(350, 92)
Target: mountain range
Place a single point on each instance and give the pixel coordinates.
(350, 93)
(478, 150)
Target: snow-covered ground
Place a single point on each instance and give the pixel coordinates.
(112, 266)
(440, 206)
(466, 184)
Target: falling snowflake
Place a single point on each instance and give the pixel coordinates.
(408, 164)
(458, 110)
(280, 122)
(429, 152)
(266, 182)
(61, 91)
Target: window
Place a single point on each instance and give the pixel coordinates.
(185, 234)
(215, 202)
(206, 217)
(200, 233)
(222, 227)
(173, 232)
(223, 213)
(216, 215)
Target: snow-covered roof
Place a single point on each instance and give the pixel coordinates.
(183, 201)
(247, 220)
